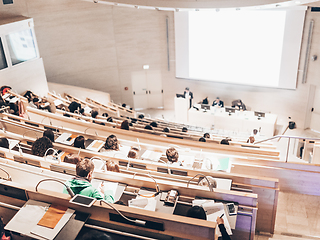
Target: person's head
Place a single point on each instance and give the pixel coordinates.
(224, 141)
(203, 182)
(4, 143)
(187, 89)
(166, 129)
(74, 106)
(85, 168)
(94, 113)
(251, 139)
(125, 125)
(255, 131)
(172, 155)
(40, 146)
(79, 142)
(124, 105)
(206, 135)
(154, 124)
(105, 114)
(184, 129)
(133, 153)
(197, 212)
(93, 234)
(141, 116)
(49, 134)
(81, 111)
(35, 100)
(133, 120)
(217, 98)
(72, 158)
(148, 127)
(112, 143)
(202, 139)
(112, 166)
(109, 119)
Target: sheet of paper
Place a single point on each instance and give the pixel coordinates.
(144, 203)
(12, 143)
(213, 217)
(151, 155)
(96, 145)
(57, 102)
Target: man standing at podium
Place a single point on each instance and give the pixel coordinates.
(188, 95)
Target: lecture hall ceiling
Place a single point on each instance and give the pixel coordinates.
(199, 4)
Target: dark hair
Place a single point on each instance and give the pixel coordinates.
(72, 158)
(255, 131)
(184, 129)
(154, 124)
(187, 88)
(40, 146)
(202, 139)
(224, 141)
(94, 113)
(112, 143)
(4, 143)
(148, 127)
(141, 116)
(81, 111)
(93, 234)
(134, 120)
(124, 105)
(166, 129)
(105, 114)
(206, 135)
(49, 134)
(66, 115)
(79, 142)
(35, 100)
(125, 125)
(73, 106)
(109, 119)
(130, 124)
(172, 154)
(133, 153)
(84, 167)
(197, 212)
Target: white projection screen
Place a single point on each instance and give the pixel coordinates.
(252, 47)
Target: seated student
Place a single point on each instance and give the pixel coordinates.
(109, 119)
(197, 212)
(49, 134)
(4, 143)
(166, 129)
(94, 114)
(202, 139)
(218, 102)
(225, 141)
(206, 135)
(124, 105)
(141, 116)
(79, 142)
(154, 124)
(239, 105)
(184, 129)
(92, 234)
(224, 234)
(173, 156)
(133, 153)
(112, 166)
(125, 125)
(148, 127)
(40, 146)
(105, 114)
(81, 183)
(4, 90)
(74, 106)
(251, 139)
(111, 144)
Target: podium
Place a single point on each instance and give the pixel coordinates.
(181, 107)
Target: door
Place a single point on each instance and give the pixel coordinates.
(147, 89)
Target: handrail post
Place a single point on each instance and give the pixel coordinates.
(288, 149)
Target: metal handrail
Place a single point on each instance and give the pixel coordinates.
(289, 138)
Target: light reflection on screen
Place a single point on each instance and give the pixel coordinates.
(21, 46)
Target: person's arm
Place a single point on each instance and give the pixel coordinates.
(220, 223)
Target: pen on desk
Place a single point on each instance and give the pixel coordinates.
(222, 215)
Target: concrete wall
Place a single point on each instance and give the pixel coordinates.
(98, 46)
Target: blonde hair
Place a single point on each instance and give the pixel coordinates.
(112, 166)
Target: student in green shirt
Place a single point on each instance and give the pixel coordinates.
(81, 184)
